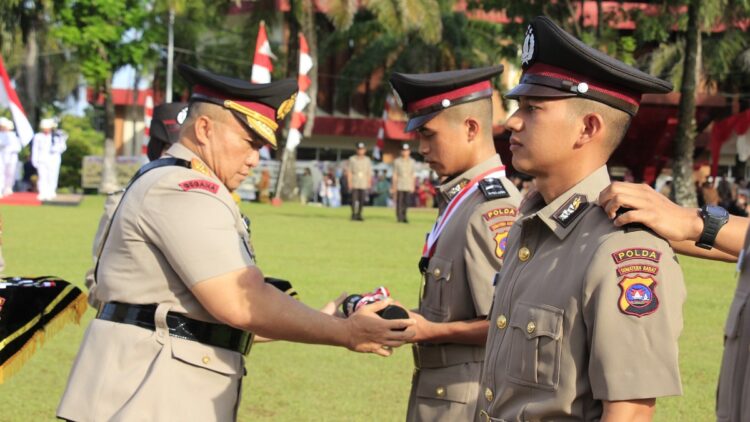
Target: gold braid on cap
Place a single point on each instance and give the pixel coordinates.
(258, 122)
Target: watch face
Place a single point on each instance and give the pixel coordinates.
(717, 212)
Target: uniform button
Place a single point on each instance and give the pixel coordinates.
(524, 254)
(488, 394)
(502, 322)
(530, 327)
(436, 272)
(206, 359)
(440, 392)
(484, 416)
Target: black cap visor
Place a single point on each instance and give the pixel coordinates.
(416, 122)
(539, 91)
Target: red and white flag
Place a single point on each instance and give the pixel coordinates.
(298, 117)
(9, 99)
(262, 65)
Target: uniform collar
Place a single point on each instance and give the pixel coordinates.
(178, 150)
(453, 186)
(563, 214)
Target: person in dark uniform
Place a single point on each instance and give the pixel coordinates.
(177, 279)
(586, 316)
(452, 115)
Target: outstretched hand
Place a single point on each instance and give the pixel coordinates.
(369, 333)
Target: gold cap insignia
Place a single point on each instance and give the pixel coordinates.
(286, 107)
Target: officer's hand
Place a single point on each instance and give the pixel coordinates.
(421, 328)
(651, 208)
(368, 333)
(334, 307)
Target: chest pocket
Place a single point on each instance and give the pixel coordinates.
(438, 275)
(535, 345)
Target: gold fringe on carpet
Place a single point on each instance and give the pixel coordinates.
(72, 313)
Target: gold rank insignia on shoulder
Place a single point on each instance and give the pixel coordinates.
(198, 166)
(286, 107)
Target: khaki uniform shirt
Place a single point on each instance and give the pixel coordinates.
(175, 228)
(583, 312)
(458, 287)
(361, 169)
(734, 382)
(404, 169)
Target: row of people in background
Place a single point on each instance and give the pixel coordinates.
(47, 148)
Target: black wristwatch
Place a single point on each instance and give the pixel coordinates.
(714, 217)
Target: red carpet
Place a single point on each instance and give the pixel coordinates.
(21, 198)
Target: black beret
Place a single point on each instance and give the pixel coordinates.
(165, 127)
(556, 64)
(259, 106)
(423, 96)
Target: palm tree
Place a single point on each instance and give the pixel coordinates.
(412, 36)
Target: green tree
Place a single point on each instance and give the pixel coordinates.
(105, 35)
(83, 140)
(414, 36)
(680, 58)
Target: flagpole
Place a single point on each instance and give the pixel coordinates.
(170, 55)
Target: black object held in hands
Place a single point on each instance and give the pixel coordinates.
(354, 302)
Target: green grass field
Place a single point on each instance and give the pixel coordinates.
(323, 254)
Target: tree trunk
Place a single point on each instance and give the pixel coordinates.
(683, 187)
(109, 173)
(31, 64)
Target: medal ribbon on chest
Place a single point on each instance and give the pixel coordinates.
(455, 203)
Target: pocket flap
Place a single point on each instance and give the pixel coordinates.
(537, 320)
(439, 268)
(212, 358)
(451, 383)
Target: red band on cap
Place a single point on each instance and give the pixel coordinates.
(450, 95)
(263, 109)
(566, 75)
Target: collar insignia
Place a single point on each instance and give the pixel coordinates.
(571, 210)
(198, 166)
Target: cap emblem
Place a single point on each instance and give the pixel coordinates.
(182, 115)
(397, 97)
(528, 47)
(286, 107)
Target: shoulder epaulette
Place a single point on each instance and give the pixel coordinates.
(492, 188)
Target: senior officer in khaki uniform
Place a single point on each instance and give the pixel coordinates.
(359, 179)
(164, 132)
(586, 316)
(452, 114)
(178, 282)
(709, 232)
(404, 175)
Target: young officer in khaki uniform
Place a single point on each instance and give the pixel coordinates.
(586, 316)
(404, 174)
(709, 232)
(452, 113)
(176, 275)
(359, 179)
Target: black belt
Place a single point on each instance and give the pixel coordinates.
(180, 326)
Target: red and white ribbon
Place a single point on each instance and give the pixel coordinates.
(455, 203)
